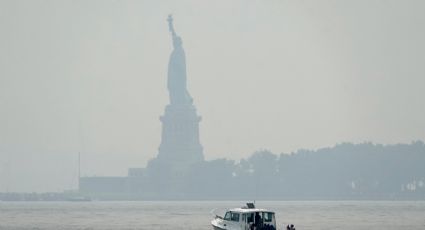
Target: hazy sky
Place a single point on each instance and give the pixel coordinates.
(90, 77)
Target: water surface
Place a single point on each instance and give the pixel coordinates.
(376, 215)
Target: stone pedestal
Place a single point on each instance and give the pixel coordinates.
(180, 146)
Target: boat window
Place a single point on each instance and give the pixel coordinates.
(267, 216)
(227, 216)
(250, 218)
(235, 216)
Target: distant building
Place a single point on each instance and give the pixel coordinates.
(100, 185)
(136, 172)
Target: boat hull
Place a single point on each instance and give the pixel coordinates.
(217, 228)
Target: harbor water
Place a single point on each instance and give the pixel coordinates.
(155, 215)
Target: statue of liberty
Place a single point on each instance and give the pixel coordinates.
(176, 82)
(180, 146)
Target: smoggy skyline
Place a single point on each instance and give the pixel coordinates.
(90, 77)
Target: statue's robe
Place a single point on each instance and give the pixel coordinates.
(177, 76)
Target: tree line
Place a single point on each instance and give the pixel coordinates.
(345, 171)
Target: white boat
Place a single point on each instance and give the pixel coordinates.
(245, 218)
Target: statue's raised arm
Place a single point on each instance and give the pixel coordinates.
(177, 41)
(170, 25)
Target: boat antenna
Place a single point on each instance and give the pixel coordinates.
(79, 170)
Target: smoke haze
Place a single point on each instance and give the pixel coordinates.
(90, 77)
